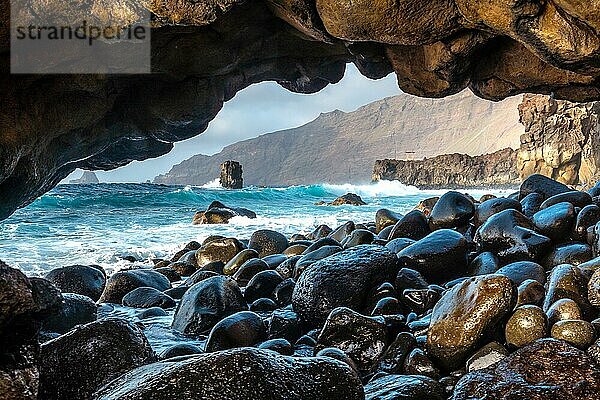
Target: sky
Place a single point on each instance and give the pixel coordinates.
(261, 108)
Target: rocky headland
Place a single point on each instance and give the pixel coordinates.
(88, 177)
(490, 298)
(498, 169)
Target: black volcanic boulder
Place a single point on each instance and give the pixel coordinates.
(575, 197)
(245, 373)
(452, 210)
(362, 338)
(267, 242)
(75, 310)
(348, 198)
(262, 285)
(494, 206)
(413, 225)
(567, 282)
(531, 203)
(404, 387)
(587, 217)
(547, 369)
(465, 314)
(206, 303)
(520, 271)
(219, 213)
(384, 218)
(242, 329)
(440, 256)
(75, 365)
(512, 237)
(543, 185)
(146, 297)
(357, 237)
(80, 279)
(344, 279)
(123, 282)
(555, 221)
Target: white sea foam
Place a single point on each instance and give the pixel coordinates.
(214, 184)
(375, 189)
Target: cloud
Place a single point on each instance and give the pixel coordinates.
(259, 109)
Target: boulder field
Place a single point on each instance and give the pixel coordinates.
(496, 298)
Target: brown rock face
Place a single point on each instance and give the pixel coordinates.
(231, 175)
(547, 369)
(205, 52)
(561, 140)
(452, 170)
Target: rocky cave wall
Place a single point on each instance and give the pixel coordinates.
(203, 52)
(561, 140)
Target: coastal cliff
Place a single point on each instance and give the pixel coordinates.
(561, 140)
(340, 147)
(452, 170)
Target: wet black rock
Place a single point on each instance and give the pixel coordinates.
(575, 197)
(146, 297)
(340, 232)
(556, 221)
(221, 250)
(75, 309)
(180, 349)
(358, 237)
(123, 282)
(267, 242)
(206, 303)
(80, 279)
(248, 270)
(543, 185)
(281, 346)
(520, 271)
(75, 365)
(216, 376)
(262, 285)
(546, 369)
(285, 324)
(587, 217)
(399, 244)
(263, 304)
(512, 237)
(407, 278)
(418, 363)
(219, 213)
(465, 315)
(413, 225)
(286, 268)
(283, 292)
(527, 324)
(199, 276)
(169, 273)
(385, 218)
(392, 360)
(152, 312)
(452, 210)
(387, 306)
(440, 256)
(320, 231)
(420, 300)
(344, 279)
(314, 256)
(569, 253)
(348, 198)
(362, 338)
(531, 203)
(181, 268)
(177, 292)
(494, 206)
(404, 387)
(484, 263)
(242, 329)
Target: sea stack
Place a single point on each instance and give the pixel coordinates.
(88, 177)
(231, 175)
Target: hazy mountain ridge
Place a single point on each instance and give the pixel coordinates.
(342, 147)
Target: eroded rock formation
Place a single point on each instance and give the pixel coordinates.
(452, 170)
(231, 175)
(204, 52)
(561, 140)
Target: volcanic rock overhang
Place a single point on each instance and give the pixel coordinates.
(205, 51)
